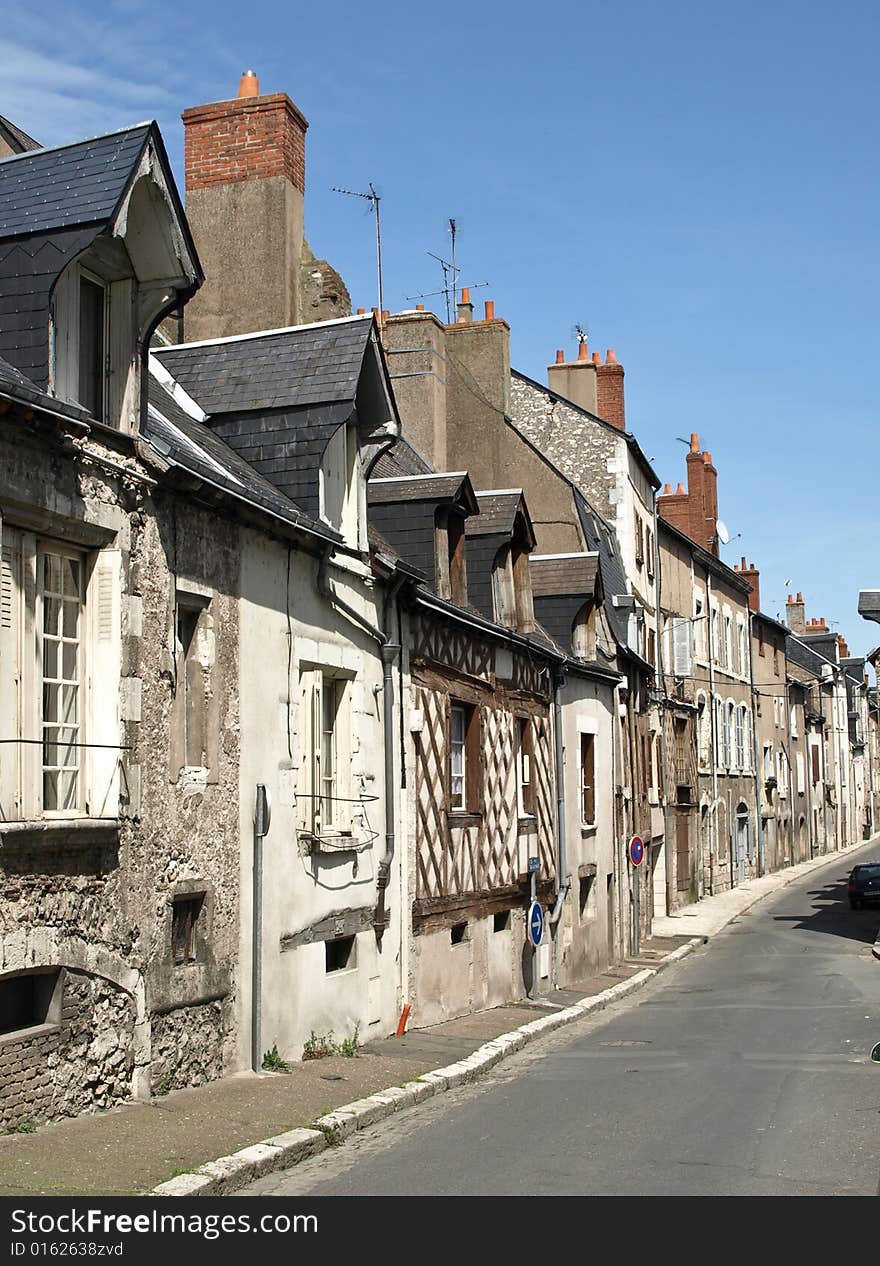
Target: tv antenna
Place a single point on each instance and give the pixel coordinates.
(373, 198)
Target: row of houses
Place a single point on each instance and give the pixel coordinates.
(330, 641)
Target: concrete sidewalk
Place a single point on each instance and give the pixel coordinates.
(171, 1143)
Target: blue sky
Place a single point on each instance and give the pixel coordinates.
(694, 183)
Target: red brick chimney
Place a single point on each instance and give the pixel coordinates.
(609, 391)
(695, 512)
(817, 626)
(749, 572)
(842, 648)
(245, 180)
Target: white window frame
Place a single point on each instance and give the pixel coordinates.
(322, 811)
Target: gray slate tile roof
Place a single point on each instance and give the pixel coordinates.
(497, 512)
(304, 365)
(11, 377)
(402, 459)
(15, 137)
(193, 446)
(437, 488)
(75, 184)
(559, 574)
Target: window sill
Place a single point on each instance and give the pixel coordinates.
(54, 832)
(26, 1034)
(463, 817)
(587, 829)
(330, 842)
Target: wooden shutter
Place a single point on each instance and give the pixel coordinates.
(682, 647)
(308, 755)
(102, 653)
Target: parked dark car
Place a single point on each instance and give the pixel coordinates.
(864, 884)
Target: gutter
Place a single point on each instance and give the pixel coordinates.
(559, 746)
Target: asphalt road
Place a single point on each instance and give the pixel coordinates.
(744, 1070)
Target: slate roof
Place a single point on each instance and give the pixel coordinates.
(602, 540)
(804, 656)
(498, 512)
(291, 368)
(70, 185)
(12, 377)
(436, 488)
(15, 137)
(557, 574)
(194, 447)
(402, 459)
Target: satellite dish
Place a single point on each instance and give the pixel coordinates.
(721, 531)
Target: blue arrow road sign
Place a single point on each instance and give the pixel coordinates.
(536, 923)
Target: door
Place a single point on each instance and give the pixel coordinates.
(682, 852)
(741, 841)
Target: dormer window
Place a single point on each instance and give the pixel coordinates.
(92, 344)
(512, 588)
(338, 490)
(583, 633)
(449, 538)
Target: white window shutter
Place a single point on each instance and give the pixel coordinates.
(682, 647)
(11, 623)
(305, 781)
(103, 661)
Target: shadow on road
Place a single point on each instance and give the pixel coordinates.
(831, 915)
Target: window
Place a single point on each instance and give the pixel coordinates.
(768, 762)
(92, 345)
(525, 754)
(814, 758)
(588, 779)
(740, 738)
(727, 648)
(191, 686)
(715, 621)
(337, 483)
(449, 541)
(782, 773)
(464, 759)
(583, 634)
(743, 651)
(704, 732)
(699, 630)
(512, 588)
(727, 735)
(792, 719)
(324, 795)
(185, 913)
(587, 897)
(339, 954)
(801, 773)
(42, 695)
(649, 550)
(29, 999)
(195, 723)
(639, 538)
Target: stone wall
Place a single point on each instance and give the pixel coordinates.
(188, 1047)
(82, 1063)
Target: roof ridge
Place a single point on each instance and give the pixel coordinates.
(83, 140)
(253, 334)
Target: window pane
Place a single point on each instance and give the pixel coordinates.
(52, 616)
(50, 792)
(71, 619)
(69, 704)
(91, 347)
(50, 659)
(70, 568)
(68, 661)
(67, 789)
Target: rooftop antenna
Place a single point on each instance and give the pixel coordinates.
(453, 229)
(373, 198)
(448, 273)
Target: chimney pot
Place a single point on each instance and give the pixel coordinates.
(707, 459)
(666, 490)
(361, 311)
(680, 492)
(465, 294)
(583, 354)
(249, 85)
(695, 442)
(420, 307)
(790, 599)
(800, 596)
(744, 562)
(597, 359)
(560, 356)
(490, 310)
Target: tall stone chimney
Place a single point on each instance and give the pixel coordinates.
(245, 183)
(575, 380)
(749, 572)
(795, 614)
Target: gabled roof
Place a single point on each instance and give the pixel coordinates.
(631, 441)
(437, 488)
(564, 574)
(276, 369)
(17, 139)
(82, 183)
(498, 513)
(402, 459)
(193, 447)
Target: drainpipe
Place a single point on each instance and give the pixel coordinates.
(663, 709)
(755, 755)
(564, 876)
(713, 821)
(389, 651)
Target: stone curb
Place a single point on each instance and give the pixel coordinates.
(228, 1174)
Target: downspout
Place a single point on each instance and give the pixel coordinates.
(713, 821)
(664, 750)
(564, 876)
(755, 754)
(389, 651)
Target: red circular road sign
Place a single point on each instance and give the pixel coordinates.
(636, 851)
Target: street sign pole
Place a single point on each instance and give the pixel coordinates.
(636, 853)
(534, 864)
